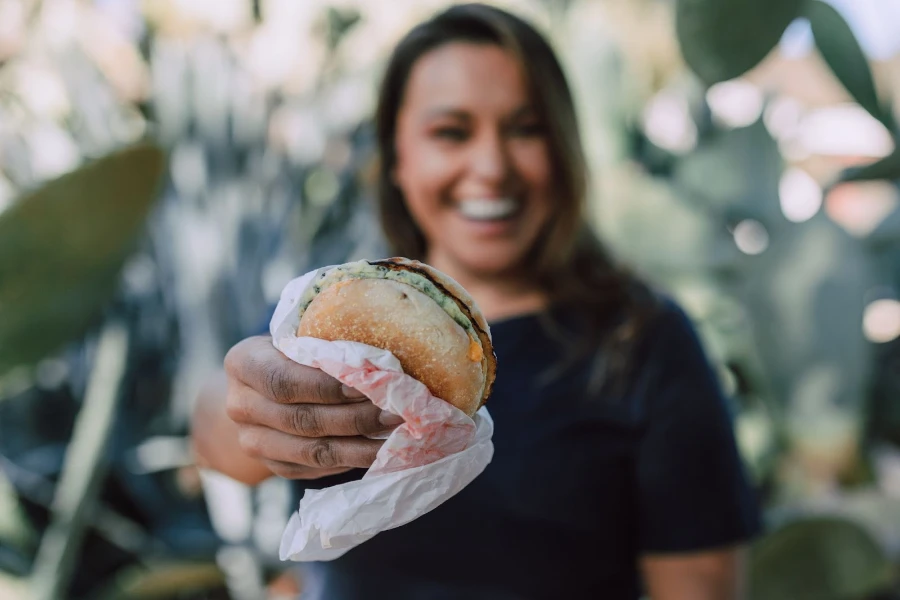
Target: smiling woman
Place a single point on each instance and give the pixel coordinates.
(614, 455)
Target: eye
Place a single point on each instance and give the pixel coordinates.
(451, 133)
(527, 129)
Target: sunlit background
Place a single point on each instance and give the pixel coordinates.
(764, 199)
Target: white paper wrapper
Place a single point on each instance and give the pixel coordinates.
(431, 457)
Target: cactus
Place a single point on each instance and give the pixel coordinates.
(817, 558)
(845, 58)
(722, 39)
(62, 248)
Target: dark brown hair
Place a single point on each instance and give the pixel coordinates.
(569, 263)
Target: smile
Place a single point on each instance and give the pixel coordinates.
(495, 209)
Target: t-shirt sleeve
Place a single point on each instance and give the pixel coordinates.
(693, 492)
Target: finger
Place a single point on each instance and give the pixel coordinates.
(320, 453)
(312, 420)
(293, 471)
(256, 363)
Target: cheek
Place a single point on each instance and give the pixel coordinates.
(423, 174)
(533, 165)
(425, 178)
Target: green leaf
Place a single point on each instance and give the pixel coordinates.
(817, 558)
(845, 58)
(339, 23)
(735, 168)
(723, 39)
(62, 248)
(15, 528)
(887, 168)
(165, 580)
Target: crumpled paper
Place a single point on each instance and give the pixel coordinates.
(428, 459)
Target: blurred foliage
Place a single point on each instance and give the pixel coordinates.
(163, 581)
(722, 39)
(339, 22)
(800, 293)
(845, 58)
(62, 249)
(818, 558)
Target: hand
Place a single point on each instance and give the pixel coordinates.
(297, 420)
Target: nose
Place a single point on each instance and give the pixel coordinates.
(490, 161)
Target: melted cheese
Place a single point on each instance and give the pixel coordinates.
(476, 352)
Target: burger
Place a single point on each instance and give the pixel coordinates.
(419, 314)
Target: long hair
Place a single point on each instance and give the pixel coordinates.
(569, 263)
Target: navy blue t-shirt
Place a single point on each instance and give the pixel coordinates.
(579, 486)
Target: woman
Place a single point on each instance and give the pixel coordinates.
(615, 465)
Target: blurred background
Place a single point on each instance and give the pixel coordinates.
(166, 166)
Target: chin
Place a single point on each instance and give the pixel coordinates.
(491, 262)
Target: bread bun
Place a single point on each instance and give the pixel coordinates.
(417, 313)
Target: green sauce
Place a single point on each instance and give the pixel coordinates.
(363, 270)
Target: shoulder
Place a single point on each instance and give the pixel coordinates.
(672, 362)
(670, 317)
(671, 332)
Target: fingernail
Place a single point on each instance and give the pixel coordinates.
(389, 419)
(351, 393)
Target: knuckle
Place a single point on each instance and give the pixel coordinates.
(237, 409)
(234, 360)
(323, 454)
(365, 420)
(327, 388)
(304, 420)
(251, 442)
(278, 387)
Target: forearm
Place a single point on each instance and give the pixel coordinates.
(713, 575)
(214, 436)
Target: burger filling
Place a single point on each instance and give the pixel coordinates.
(364, 270)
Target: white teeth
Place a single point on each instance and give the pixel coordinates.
(481, 209)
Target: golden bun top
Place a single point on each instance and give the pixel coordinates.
(416, 312)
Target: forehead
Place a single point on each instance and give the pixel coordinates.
(466, 75)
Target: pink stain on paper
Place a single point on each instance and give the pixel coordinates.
(433, 429)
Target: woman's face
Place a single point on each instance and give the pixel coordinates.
(472, 159)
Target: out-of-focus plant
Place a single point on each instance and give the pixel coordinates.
(819, 558)
(723, 39)
(807, 291)
(62, 250)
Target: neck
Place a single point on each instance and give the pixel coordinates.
(498, 296)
